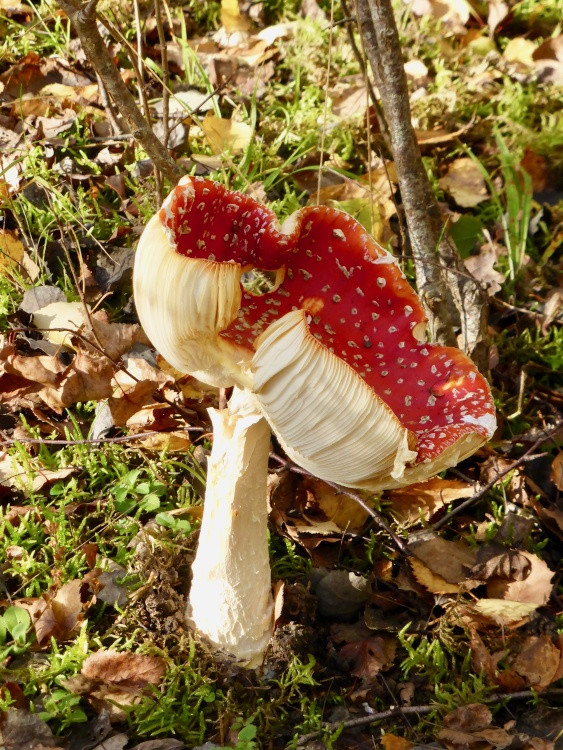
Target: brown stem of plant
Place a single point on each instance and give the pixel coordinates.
(83, 18)
(438, 287)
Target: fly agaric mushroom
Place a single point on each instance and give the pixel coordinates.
(333, 357)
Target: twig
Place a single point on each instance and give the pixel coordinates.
(435, 285)
(525, 458)
(116, 129)
(363, 721)
(402, 547)
(83, 18)
(360, 59)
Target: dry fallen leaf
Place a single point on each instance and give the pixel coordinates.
(125, 669)
(557, 471)
(226, 136)
(456, 13)
(481, 266)
(498, 10)
(449, 560)
(503, 612)
(369, 656)
(548, 60)
(534, 589)
(469, 718)
(465, 183)
(11, 251)
(421, 501)
(60, 619)
(393, 742)
(430, 580)
(520, 50)
(538, 661)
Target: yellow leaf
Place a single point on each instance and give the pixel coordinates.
(520, 50)
(431, 581)
(231, 18)
(226, 135)
(11, 251)
(465, 183)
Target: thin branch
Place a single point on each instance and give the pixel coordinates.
(401, 546)
(525, 458)
(83, 18)
(436, 286)
(364, 721)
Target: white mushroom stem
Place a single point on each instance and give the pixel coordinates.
(230, 601)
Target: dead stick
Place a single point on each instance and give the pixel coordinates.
(83, 18)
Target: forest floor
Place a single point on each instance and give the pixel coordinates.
(102, 468)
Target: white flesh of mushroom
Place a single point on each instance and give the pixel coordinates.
(230, 600)
(184, 304)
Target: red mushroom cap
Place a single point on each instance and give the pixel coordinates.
(357, 304)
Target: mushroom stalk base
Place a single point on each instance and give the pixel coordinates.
(230, 602)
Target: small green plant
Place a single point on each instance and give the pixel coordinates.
(246, 734)
(14, 632)
(130, 493)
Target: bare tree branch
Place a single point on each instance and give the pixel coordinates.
(83, 18)
(437, 261)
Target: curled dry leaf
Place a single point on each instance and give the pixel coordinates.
(481, 266)
(465, 183)
(424, 499)
(534, 589)
(61, 617)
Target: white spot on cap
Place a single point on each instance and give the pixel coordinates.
(408, 310)
(381, 282)
(339, 233)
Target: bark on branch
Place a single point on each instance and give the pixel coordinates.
(83, 17)
(440, 274)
